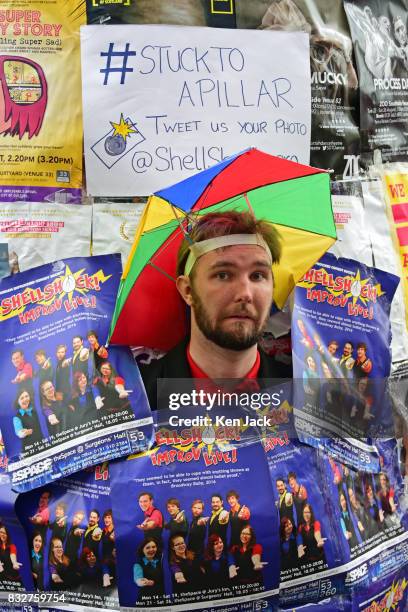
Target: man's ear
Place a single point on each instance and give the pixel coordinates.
(183, 285)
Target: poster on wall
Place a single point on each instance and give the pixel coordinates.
(171, 109)
(379, 33)
(37, 233)
(40, 101)
(68, 402)
(335, 142)
(70, 530)
(341, 358)
(182, 12)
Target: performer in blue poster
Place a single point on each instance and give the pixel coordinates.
(67, 400)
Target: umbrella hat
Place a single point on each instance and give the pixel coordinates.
(293, 197)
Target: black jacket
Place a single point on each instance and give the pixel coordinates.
(175, 365)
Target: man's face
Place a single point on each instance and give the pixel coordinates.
(216, 503)
(400, 32)
(361, 353)
(61, 353)
(93, 519)
(77, 519)
(59, 512)
(92, 340)
(17, 359)
(231, 295)
(292, 483)
(197, 510)
(145, 502)
(332, 348)
(347, 350)
(172, 509)
(232, 500)
(280, 486)
(40, 359)
(76, 344)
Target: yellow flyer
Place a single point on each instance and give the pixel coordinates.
(40, 100)
(396, 184)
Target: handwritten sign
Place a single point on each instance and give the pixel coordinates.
(164, 102)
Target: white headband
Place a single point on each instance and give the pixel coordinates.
(205, 246)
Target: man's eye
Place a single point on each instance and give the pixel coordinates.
(259, 275)
(222, 275)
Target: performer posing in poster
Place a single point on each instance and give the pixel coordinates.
(148, 570)
(178, 522)
(74, 537)
(112, 396)
(288, 545)
(93, 533)
(359, 512)
(197, 529)
(346, 522)
(299, 494)
(362, 365)
(9, 565)
(108, 549)
(45, 370)
(285, 503)
(62, 373)
(153, 518)
(230, 292)
(42, 517)
(81, 407)
(99, 353)
(385, 493)
(187, 574)
(24, 372)
(62, 571)
(26, 423)
(218, 523)
(89, 569)
(37, 561)
(54, 409)
(216, 564)
(80, 357)
(374, 512)
(59, 525)
(309, 530)
(238, 516)
(245, 559)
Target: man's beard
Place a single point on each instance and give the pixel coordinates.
(238, 340)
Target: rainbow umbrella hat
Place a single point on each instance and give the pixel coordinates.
(293, 197)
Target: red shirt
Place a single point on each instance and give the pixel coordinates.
(153, 514)
(197, 372)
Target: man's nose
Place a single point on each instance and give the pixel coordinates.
(244, 290)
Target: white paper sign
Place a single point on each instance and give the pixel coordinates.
(164, 102)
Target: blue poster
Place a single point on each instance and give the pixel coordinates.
(198, 530)
(70, 529)
(67, 401)
(341, 358)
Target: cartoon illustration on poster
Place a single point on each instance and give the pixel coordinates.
(171, 109)
(37, 233)
(199, 526)
(67, 401)
(341, 357)
(41, 147)
(15, 571)
(335, 142)
(70, 529)
(379, 33)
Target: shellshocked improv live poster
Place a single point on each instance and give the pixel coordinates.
(70, 529)
(198, 524)
(341, 340)
(67, 402)
(40, 100)
(171, 108)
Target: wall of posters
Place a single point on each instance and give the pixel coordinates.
(171, 109)
(334, 83)
(40, 100)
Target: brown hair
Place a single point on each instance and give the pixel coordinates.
(225, 223)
